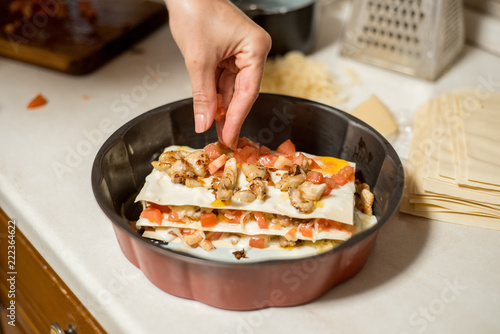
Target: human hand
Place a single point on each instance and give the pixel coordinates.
(225, 53)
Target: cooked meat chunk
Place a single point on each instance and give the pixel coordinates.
(227, 182)
(298, 202)
(252, 172)
(312, 191)
(258, 187)
(245, 195)
(199, 162)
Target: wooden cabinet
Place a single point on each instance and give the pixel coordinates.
(40, 296)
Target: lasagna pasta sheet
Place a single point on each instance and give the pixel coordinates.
(338, 205)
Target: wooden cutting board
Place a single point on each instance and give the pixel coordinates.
(76, 45)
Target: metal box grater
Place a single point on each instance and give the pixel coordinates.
(415, 37)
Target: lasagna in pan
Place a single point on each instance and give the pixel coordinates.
(252, 198)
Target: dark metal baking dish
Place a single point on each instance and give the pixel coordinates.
(292, 25)
(123, 162)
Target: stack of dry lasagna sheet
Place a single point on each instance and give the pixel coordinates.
(453, 170)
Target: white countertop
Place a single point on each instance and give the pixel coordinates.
(422, 277)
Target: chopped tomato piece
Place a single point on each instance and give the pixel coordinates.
(313, 164)
(282, 163)
(298, 159)
(152, 214)
(233, 216)
(286, 148)
(217, 164)
(314, 177)
(291, 233)
(258, 242)
(212, 236)
(38, 101)
(261, 220)
(244, 141)
(268, 160)
(344, 176)
(173, 216)
(247, 154)
(213, 151)
(162, 208)
(220, 113)
(306, 231)
(330, 185)
(264, 150)
(208, 219)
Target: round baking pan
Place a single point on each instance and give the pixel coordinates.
(124, 161)
(292, 24)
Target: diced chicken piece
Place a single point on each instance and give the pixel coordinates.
(258, 187)
(179, 171)
(288, 181)
(199, 162)
(286, 243)
(252, 172)
(166, 160)
(312, 191)
(245, 195)
(227, 182)
(292, 179)
(206, 245)
(364, 198)
(193, 238)
(298, 202)
(193, 183)
(190, 211)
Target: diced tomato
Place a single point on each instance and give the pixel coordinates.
(344, 176)
(258, 242)
(268, 160)
(314, 177)
(282, 163)
(217, 164)
(213, 151)
(220, 113)
(162, 208)
(173, 216)
(286, 148)
(152, 214)
(38, 101)
(298, 159)
(208, 219)
(328, 224)
(212, 236)
(290, 235)
(264, 150)
(244, 141)
(330, 185)
(313, 164)
(233, 216)
(247, 154)
(261, 220)
(306, 231)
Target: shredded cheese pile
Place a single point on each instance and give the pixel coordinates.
(298, 75)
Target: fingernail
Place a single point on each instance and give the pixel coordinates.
(200, 121)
